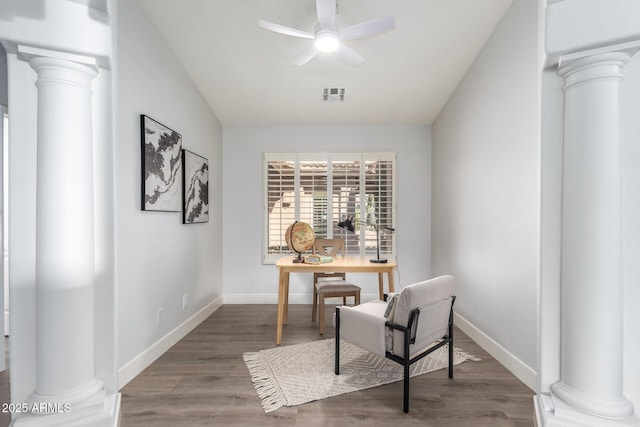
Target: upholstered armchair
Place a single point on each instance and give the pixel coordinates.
(405, 328)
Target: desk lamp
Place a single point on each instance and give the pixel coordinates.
(348, 225)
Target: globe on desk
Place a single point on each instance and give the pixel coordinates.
(299, 237)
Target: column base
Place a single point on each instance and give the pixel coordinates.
(553, 412)
(607, 408)
(102, 410)
(47, 403)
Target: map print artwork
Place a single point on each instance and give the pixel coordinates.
(196, 188)
(161, 167)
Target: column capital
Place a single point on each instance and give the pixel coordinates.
(596, 64)
(34, 55)
(60, 67)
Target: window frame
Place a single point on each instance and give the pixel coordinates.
(330, 159)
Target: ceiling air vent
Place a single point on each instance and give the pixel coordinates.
(333, 93)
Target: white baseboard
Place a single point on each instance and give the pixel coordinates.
(273, 298)
(139, 363)
(518, 368)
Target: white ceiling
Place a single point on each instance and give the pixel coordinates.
(246, 76)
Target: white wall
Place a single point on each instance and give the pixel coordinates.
(246, 279)
(158, 259)
(486, 188)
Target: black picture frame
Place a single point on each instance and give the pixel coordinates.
(161, 166)
(195, 193)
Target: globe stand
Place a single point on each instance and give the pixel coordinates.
(299, 259)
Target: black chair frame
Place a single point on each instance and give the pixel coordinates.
(409, 332)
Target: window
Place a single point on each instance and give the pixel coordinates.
(324, 189)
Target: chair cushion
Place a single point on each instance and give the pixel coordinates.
(374, 308)
(363, 325)
(336, 286)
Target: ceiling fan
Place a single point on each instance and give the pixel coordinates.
(329, 38)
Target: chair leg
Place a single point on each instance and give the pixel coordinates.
(337, 351)
(451, 359)
(407, 364)
(451, 348)
(344, 300)
(315, 304)
(357, 302)
(321, 317)
(405, 400)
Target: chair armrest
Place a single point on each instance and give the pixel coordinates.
(363, 329)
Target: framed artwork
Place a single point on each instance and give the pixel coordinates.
(195, 197)
(161, 166)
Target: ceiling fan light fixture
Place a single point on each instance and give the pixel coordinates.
(326, 41)
(327, 36)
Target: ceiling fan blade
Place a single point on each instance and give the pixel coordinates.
(307, 56)
(348, 56)
(281, 29)
(368, 28)
(326, 10)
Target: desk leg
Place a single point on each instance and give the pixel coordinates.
(286, 299)
(281, 291)
(392, 287)
(381, 285)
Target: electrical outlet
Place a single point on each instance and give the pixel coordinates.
(185, 301)
(159, 315)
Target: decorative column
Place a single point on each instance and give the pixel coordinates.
(591, 326)
(65, 362)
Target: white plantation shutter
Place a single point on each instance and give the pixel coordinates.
(323, 189)
(379, 194)
(346, 199)
(280, 203)
(313, 195)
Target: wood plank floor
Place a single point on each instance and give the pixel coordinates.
(203, 381)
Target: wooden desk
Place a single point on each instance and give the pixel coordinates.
(348, 264)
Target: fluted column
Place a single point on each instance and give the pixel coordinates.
(65, 362)
(591, 326)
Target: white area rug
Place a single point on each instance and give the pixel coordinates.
(301, 373)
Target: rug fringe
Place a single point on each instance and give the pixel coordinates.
(263, 379)
(465, 355)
